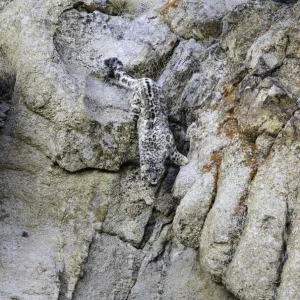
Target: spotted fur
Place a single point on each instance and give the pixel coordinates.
(148, 108)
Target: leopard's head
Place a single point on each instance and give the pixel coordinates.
(153, 171)
(111, 65)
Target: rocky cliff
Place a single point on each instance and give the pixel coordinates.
(76, 221)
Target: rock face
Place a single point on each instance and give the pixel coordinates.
(76, 220)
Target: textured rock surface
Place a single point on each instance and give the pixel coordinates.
(76, 220)
(201, 20)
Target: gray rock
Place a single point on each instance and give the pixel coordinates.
(265, 107)
(193, 209)
(289, 74)
(289, 278)
(267, 209)
(112, 282)
(76, 220)
(130, 208)
(194, 283)
(200, 20)
(267, 52)
(80, 139)
(224, 222)
(176, 265)
(241, 27)
(184, 62)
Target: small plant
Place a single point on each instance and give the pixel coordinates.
(119, 7)
(111, 7)
(170, 3)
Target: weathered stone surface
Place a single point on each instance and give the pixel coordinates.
(289, 73)
(267, 211)
(188, 78)
(258, 120)
(184, 62)
(132, 41)
(196, 184)
(176, 265)
(265, 107)
(128, 213)
(224, 223)
(242, 26)
(197, 19)
(289, 279)
(199, 148)
(76, 220)
(112, 282)
(193, 209)
(47, 225)
(267, 52)
(80, 140)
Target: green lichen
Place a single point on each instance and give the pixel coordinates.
(97, 75)
(101, 212)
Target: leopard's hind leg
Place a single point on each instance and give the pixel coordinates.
(178, 159)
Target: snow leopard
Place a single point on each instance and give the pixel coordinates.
(149, 110)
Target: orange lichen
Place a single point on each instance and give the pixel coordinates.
(206, 169)
(251, 158)
(173, 3)
(230, 111)
(216, 158)
(229, 127)
(229, 95)
(172, 43)
(252, 173)
(251, 162)
(170, 3)
(250, 154)
(228, 106)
